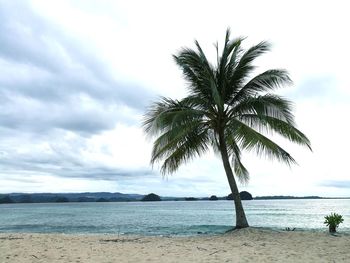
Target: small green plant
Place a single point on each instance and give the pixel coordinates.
(332, 221)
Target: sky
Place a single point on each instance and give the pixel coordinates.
(77, 76)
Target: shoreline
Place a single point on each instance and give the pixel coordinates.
(244, 245)
(324, 229)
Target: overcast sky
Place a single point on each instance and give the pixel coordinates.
(77, 76)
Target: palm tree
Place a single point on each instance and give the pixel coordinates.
(224, 109)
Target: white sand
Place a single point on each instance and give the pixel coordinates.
(247, 245)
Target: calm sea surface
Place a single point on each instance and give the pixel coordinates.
(168, 218)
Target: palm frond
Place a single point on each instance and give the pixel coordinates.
(267, 124)
(245, 66)
(200, 74)
(212, 83)
(167, 114)
(268, 105)
(196, 71)
(251, 140)
(234, 51)
(169, 141)
(192, 144)
(227, 64)
(266, 81)
(240, 170)
(234, 151)
(182, 128)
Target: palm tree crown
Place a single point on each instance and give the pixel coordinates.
(225, 108)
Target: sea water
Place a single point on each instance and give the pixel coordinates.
(169, 217)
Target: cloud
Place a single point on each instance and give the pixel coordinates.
(336, 183)
(56, 95)
(314, 87)
(59, 98)
(51, 79)
(66, 160)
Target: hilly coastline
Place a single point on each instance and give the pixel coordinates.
(121, 197)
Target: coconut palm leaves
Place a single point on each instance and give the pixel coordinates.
(222, 98)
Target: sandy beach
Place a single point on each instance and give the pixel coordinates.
(247, 245)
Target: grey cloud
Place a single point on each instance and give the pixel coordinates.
(53, 68)
(64, 161)
(22, 40)
(53, 84)
(20, 179)
(34, 116)
(336, 183)
(104, 173)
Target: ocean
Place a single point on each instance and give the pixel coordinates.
(168, 217)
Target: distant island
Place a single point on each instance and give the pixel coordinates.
(120, 197)
(151, 197)
(244, 196)
(213, 198)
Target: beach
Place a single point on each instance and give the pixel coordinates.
(246, 245)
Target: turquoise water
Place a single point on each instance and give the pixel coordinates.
(168, 218)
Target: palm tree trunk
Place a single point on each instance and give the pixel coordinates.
(241, 220)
